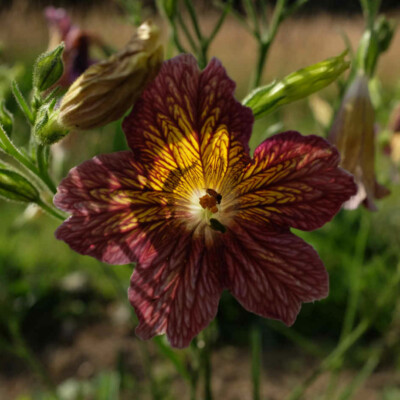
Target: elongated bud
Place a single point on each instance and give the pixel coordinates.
(48, 68)
(295, 86)
(47, 129)
(353, 134)
(6, 118)
(105, 91)
(14, 186)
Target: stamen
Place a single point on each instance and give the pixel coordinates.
(208, 202)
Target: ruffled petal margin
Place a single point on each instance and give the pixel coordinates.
(272, 273)
(294, 181)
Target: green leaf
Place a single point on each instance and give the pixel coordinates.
(6, 118)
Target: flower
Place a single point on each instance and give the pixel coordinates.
(197, 214)
(106, 90)
(353, 134)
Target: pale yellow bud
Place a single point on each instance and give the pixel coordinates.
(106, 90)
(353, 134)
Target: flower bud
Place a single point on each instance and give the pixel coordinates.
(105, 91)
(295, 86)
(47, 129)
(14, 186)
(48, 68)
(353, 134)
(6, 118)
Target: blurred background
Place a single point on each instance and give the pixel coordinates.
(66, 326)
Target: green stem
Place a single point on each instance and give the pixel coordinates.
(162, 347)
(187, 33)
(264, 43)
(220, 21)
(252, 12)
(256, 352)
(330, 360)
(175, 37)
(296, 338)
(13, 151)
(238, 17)
(370, 9)
(194, 367)
(50, 210)
(24, 352)
(355, 278)
(263, 48)
(205, 340)
(193, 17)
(43, 167)
(365, 372)
(343, 346)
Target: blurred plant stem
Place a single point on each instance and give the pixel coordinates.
(199, 44)
(22, 350)
(256, 353)
(355, 273)
(348, 341)
(265, 37)
(370, 10)
(163, 348)
(354, 281)
(27, 163)
(207, 338)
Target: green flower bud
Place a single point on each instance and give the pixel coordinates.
(295, 86)
(14, 186)
(48, 68)
(384, 30)
(47, 129)
(6, 118)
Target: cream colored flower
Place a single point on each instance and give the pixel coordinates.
(353, 134)
(106, 90)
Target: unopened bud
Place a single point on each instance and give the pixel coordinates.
(6, 118)
(384, 30)
(47, 129)
(295, 86)
(14, 186)
(48, 68)
(353, 134)
(105, 91)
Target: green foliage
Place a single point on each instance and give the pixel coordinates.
(15, 187)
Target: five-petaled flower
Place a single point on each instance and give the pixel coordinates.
(197, 214)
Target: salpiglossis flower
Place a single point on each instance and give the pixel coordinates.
(197, 214)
